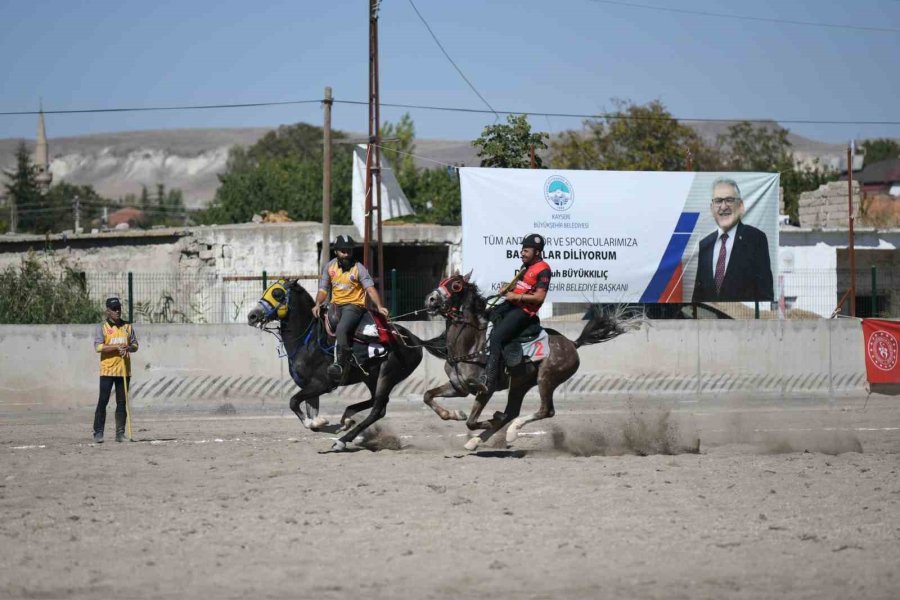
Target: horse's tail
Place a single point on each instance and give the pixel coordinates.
(606, 325)
(436, 346)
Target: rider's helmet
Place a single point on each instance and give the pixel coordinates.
(343, 242)
(533, 240)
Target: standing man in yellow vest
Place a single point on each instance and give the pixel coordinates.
(115, 341)
(348, 282)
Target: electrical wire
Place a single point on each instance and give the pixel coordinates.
(608, 116)
(452, 62)
(702, 13)
(156, 108)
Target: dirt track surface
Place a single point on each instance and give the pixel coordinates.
(793, 502)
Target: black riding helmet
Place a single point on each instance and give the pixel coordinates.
(343, 242)
(533, 240)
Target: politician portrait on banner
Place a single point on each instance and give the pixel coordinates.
(626, 236)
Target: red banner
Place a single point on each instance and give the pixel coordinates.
(881, 343)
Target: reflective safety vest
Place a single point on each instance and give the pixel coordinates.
(111, 363)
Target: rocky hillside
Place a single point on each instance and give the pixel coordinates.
(117, 164)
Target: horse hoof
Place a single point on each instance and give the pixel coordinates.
(308, 423)
(460, 415)
(318, 422)
(348, 425)
(473, 444)
(512, 432)
(339, 446)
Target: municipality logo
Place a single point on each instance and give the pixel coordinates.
(559, 193)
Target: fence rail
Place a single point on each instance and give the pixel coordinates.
(212, 298)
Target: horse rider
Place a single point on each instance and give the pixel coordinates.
(348, 282)
(521, 306)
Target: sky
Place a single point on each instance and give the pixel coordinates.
(531, 56)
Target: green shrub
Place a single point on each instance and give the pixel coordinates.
(45, 291)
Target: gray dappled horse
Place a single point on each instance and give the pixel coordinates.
(466, 314)
(309, 351)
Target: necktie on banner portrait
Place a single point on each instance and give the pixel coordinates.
(881, 345)
(393, 201)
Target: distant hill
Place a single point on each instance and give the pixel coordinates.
(119, 163)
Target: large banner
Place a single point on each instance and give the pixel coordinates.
(626, 236)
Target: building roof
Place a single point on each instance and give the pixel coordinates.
(884, 171)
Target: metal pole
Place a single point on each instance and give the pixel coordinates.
(874, 292)
(265, 281)
(130, 296)
(373, 132)
(531, 153)
(394, 291)
(850, 217)
(77, 202)
(326, 181)
(377, 131)
(756, 309)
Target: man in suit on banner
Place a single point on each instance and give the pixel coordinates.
(733, 261)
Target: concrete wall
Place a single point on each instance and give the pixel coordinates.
(202, 367)
(827, 206)
(243, 249)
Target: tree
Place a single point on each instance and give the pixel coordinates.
(399, 151)
(60, 203)
(881, 149)
(50, 291)
(634, 138)
(764, 148)
(283, 170)
(22, 188)
(509, 146)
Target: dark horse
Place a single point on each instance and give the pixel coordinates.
(466, 314)
(309, 354)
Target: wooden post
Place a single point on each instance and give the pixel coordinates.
(326, 181)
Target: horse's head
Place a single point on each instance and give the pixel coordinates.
(449, 294)
(273, 304)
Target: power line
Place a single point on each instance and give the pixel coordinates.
(620, 116)
(610, 116)
(458, 70)
(157, 108)
(702, 13)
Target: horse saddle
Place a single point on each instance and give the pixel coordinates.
(532, 343)
(372, 337)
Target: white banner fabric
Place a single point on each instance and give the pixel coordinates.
(393, 201)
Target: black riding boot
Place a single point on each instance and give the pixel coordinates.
(488, 379)
(338, 368)
(121, 421)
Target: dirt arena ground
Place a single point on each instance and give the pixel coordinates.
(608, 499)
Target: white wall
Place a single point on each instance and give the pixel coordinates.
(201, 367)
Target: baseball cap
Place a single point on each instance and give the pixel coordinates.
(113, 303)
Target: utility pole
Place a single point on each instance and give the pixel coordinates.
(373, 171)
(326, 180)
(851, 240)
(77, 203)
(104, 220)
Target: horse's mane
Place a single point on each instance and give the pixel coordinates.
(305, 297)
(473, 301)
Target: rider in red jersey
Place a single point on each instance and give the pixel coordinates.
(521, 306)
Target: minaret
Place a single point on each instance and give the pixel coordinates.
(42, 155)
